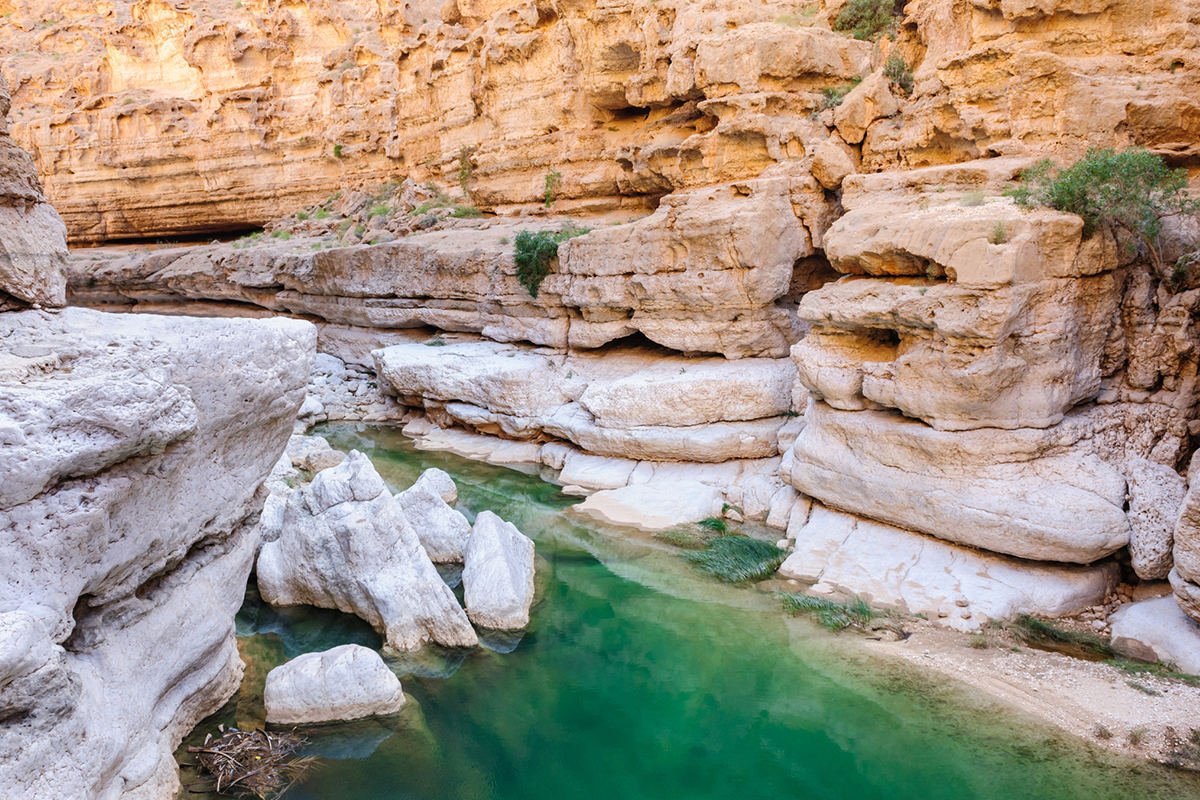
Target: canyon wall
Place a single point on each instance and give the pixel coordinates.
(132, 450)
(969, 377)
(157, 119)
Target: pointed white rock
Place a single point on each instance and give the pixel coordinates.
(346, 544)
(498, 574)
(442, 530)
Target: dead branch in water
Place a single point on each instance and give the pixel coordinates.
(258, 763)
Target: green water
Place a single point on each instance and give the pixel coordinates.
(640, 678)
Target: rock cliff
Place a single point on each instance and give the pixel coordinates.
(792, 202)
(132, 450)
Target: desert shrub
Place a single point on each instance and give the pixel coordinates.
(869, 19)
(972, 199)
(466, 212)
(833, 96)
(553, 182)
(978, 641)
(337, 151)
(465, 167)
(301, 215)
(830, 614)
(535, 251)
(738, 558)
(1101, 731)
(1128, 192)
(1138, 735)
(897, 70)
(322, 213)
(999, 234)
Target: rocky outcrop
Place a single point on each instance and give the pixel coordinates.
(109, 425)
(498, 574)
(989, 376)
(960, 587)
(712, 271)
(346, 544)
(345, 683)
(1163, 627)
(33, 247)
(630, 403)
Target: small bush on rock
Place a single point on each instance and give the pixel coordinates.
(1129, 192)
(868, 20)
(899, 72)
(535, 251)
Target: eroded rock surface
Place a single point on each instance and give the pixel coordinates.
(346, 544)
(347, 682)
(135, 420)
(442, 530)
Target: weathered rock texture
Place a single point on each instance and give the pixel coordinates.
(132, 449)
(347, 682)
(33, 246)
(989, 376)
(346, 544)
(442, 530)
(152, 118)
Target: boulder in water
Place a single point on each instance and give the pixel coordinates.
(498, 574)
(442, 530)
(347, 682)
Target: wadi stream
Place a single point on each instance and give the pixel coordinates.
(640, 677)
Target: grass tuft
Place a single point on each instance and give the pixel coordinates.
(738, 558)
(830, 614)
(1035, 631)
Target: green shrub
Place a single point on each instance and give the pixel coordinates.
(714, 524)
(972, 199)
(378, 211)
(301, 215)
(337, 151)
(553, 182)
(869, 19)
(466, 212)
(534, 252)
(738, 558)
(999, 234)
(1128, 192)
(830, 614)
(978, 641)
(359, 230)
(322, 213)
(897, 70)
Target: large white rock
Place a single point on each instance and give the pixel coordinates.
(144, 442)
(1155, 496)
(1036, 494)
(653, 506)
(346, 544)
(442, 530)
(893, 567)
(1163, 626)
(498, 574)
(632, 402)
(347, 682)
(313, 453)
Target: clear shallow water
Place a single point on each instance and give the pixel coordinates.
(640, 678)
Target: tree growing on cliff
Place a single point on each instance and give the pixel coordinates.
(535, 251)
(1129, 192)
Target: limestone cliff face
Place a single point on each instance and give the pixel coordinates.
(131, 453)
(157, 118)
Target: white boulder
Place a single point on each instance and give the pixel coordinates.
(346, 544)
(1161, 625)
(442, 530)
(498, 574)
(347, 682)
(653, 506)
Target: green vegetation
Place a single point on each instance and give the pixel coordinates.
(359, 230)
(999, 234)
(1034, 631)
(832, 97)
(301, 215)
(1166, 671)
(738, 558)
(535, 251)
(1143, 688)
(439, 200)
(553, 182)
(322, 213)
(337, 151)
(897, 70)
(714, 524)
(284, 235)
(972, 199)
(978, 641)
(466, 212)
(465, 168)
(868, 20)
(830, 614)
(1129, 192)
(378, 211)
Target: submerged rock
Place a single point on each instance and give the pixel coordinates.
(347, 682)
(654, 506)
(346, 544)
(442, 530)
(498, 574)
